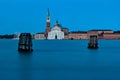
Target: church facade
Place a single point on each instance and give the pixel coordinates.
(56, 32)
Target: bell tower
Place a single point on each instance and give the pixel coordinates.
(47, 23)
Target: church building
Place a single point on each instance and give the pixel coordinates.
(56, 32)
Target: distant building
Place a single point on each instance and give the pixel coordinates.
(99, 33)
(65, 30)
(56, 32)
(77, 35)
(111, 36)
(16, 36)
(83, 36)
(40, 36)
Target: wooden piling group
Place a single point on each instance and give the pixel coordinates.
(25, 42)
(93, 42)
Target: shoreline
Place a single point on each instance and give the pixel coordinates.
(58, 39)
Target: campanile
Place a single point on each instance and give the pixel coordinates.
(47, 23)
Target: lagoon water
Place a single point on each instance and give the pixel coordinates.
(60, 60)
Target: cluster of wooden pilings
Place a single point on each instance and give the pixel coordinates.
(93, 42)
(25, 42)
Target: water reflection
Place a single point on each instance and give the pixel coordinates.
(25, 66)
(91, 59)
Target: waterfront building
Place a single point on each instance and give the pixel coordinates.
(66, 37)
(65, 30)
(16, 36)
(56, 32)
(111, 36)
(39, 36)
(77, 35)
(99, 33)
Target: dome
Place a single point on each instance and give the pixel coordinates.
(57, 27)
(57, 24)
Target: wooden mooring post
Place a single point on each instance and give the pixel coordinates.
(25, 42)
(93, 42)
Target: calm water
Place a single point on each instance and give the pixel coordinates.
(60, 60)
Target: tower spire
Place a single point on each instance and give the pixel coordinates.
(48, 14)
(57, 21)
(47, 23)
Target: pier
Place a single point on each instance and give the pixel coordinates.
(93, 42)
(25, 42)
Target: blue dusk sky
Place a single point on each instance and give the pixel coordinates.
(30, 15)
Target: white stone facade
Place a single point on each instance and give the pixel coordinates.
(56, 35)
(56, 32)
